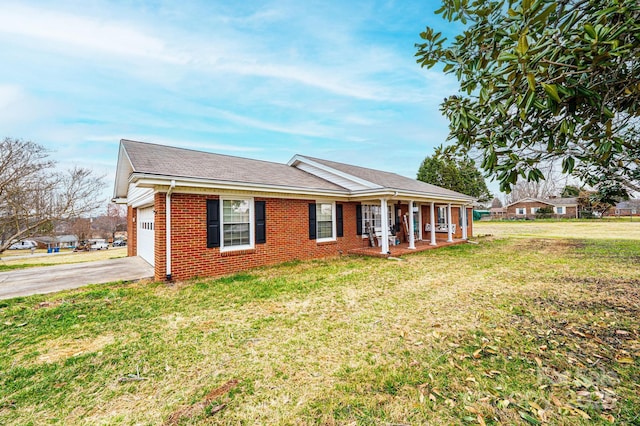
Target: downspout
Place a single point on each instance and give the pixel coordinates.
(168, 228)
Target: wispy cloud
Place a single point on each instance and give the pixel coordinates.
(265, 78)
(95, 35)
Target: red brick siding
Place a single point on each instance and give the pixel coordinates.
(287, 237)
(132, 232)
(455, 214)
(570, 211)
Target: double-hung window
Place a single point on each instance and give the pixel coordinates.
(560, 210)
(325, 221)
(442, 215)
(534, 210)
(237, 221)
(521, 211)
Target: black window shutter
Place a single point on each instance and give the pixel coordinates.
(261, 222)
(339, 224)
(312, 221)
(213, 223)
(359, 219)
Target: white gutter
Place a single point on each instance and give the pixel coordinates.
(168, 227)
(151, 181)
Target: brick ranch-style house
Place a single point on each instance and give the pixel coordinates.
(526, 208)
(193, 213)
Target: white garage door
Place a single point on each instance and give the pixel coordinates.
(146, 231)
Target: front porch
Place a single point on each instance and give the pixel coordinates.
(402, 249)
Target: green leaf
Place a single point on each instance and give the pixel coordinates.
(523, 44)
(542, 17)
(552, 91)
(532, 81)
(568, 163)
(591, 32)
(506, 57)
(529, 418)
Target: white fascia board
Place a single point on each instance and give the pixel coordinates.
(123, 171)
(151, 181)
(415, 196)
(300, 159)
(144, 200)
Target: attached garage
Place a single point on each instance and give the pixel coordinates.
(145, 231)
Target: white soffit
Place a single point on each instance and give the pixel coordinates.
(334, 176)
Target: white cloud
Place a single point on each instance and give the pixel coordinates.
(84, 32)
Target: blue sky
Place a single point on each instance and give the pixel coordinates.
(259, 79)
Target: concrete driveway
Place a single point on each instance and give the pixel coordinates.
(47, 279)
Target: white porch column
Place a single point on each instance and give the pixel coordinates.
(449, 233)
(433, 225)
(384, 246)
(463, 215)
(412, 238)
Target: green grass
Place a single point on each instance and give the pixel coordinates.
(509, 331)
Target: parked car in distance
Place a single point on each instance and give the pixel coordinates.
(119, 243)
(23, 245)
(99, 245)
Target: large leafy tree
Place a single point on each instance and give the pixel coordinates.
(544, 81)
(457, 174)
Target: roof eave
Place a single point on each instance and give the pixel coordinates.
(409, 195)
(150, 180)
(124, 169)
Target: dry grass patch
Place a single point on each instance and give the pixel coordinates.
(60, 349)
(22, 259)
(595, 229)
(511, 331)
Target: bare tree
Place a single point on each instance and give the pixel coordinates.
(82, 228)
(113, 221)
(33, 194)
(550, 185)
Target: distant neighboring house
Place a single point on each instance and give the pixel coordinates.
(67, 241)
(193, 213)
(497, 213)
(526, 208)
(625, 208)
(61, 241)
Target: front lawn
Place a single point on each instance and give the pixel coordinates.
(508, 331)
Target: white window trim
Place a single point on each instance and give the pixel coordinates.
(534, 210)
(564, 210)
(523, 209)
(333, 221)
(252, 237)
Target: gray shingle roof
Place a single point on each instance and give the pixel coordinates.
(563, 201)
(388, 179)
(164, 160)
